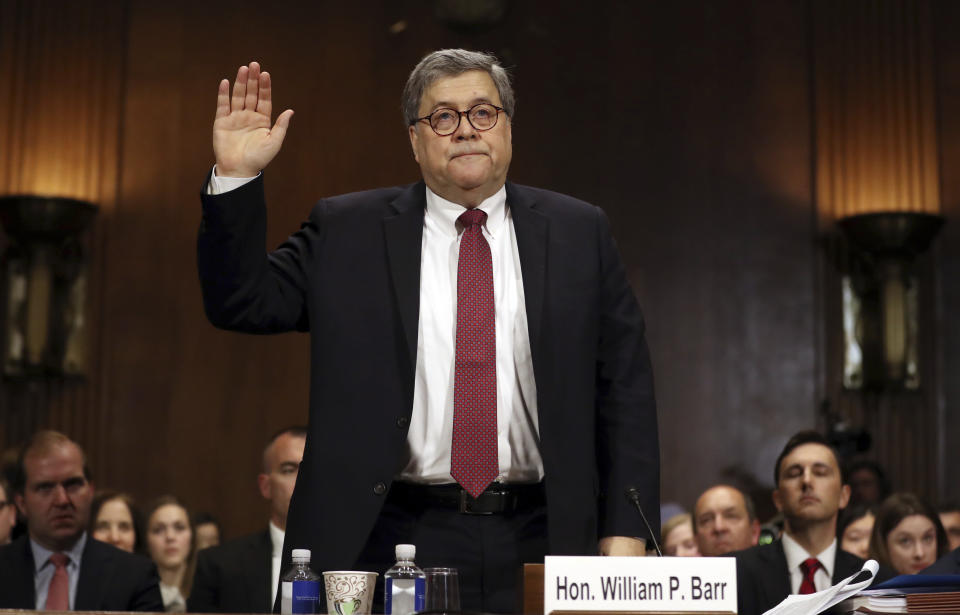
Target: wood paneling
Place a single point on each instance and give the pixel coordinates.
(690, 123)
(63, 67)
(877, 150)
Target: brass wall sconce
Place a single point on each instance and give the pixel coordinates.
(44, 286)
(881, 300)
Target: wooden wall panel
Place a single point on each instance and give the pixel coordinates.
(877, 149)
(690, 123)
(63, 82)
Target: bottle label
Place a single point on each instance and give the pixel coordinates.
(300, 597)
(404, 596)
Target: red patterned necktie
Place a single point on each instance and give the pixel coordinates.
(473, 455)
(58, 594)
(809, 567)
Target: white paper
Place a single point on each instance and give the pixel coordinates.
(810, 604)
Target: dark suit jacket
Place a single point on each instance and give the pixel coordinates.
(234, 577)
(110, 579)
(763, 580)
(948, 564)
(351, 276)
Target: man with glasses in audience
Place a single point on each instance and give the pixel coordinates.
(57, 566)
(480, 382)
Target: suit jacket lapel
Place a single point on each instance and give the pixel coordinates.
(844, 565)
(779, 573)
(404, 236)
(20, 581)
(95, 573)
(259, 566)
(531, 227)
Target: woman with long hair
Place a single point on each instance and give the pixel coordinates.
(114, 519)
(907, 534)
(170, 543)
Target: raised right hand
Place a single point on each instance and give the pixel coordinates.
(243, 141)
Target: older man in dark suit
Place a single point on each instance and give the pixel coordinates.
(810, 493)
(480, 382)
(57, 566)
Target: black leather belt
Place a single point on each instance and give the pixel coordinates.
(497, 499)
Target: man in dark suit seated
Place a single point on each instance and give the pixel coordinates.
(57, 566)
(810, 493)
(241, 575)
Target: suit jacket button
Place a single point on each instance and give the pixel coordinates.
(402, 422)
(380, 488)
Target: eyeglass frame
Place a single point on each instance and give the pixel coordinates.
(460, 115)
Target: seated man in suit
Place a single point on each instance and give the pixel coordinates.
(810, 493)
(57, 566)
(241, 575)
(724, 520)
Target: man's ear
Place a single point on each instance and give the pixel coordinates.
(414, 141)
(777, 500)
(18, 500)
(263, 482)
(844, 496)
(755, 531)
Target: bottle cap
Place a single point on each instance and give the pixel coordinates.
(406, 551)
(301, 554)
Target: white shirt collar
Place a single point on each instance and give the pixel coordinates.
(276, 539)
(796, 554)
(41, 555)
(445, 212)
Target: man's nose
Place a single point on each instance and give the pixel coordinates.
(60, 495)
(465, 130)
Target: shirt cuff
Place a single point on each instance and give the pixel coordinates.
(219, 185)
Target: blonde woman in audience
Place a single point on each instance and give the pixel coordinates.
(170, 543)
(907, 535)
(114, 519)
(677, 536)
(854, 528)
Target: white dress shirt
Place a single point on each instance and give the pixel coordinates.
(431, 424)
(797, 554)
(44, 569)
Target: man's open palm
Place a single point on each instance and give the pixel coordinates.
(243, 141)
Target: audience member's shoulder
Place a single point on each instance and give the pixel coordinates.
(15, 550)
(756, 552)
(231, 549)
(948, 564)
(126, 560)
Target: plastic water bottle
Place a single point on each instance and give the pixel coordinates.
(404, 584)
(300, 586)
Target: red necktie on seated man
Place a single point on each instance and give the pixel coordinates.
(473, 455)
(58, 594)
(809, 567)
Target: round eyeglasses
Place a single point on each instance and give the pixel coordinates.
(444, 121)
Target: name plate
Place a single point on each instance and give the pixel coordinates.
(640, 584)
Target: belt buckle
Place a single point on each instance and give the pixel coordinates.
(465, 504)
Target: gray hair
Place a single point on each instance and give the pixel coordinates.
(450, 63)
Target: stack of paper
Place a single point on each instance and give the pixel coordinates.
(810, 604)
(908, 593)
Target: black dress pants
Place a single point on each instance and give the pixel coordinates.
(487, 550)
